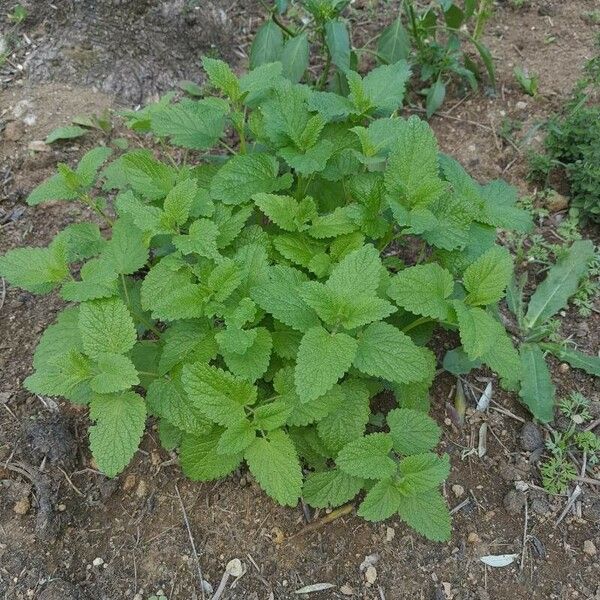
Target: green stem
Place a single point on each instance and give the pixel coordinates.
(125, 292)
(416, 323)
(325, 74)
(88, 201)
(242, 134)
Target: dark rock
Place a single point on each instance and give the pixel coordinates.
(531, 437)
(547, 10)
(51, 437)
(540, 506)
(514, 502)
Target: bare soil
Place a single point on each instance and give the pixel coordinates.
(67, 532)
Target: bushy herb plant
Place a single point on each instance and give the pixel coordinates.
(258, 302)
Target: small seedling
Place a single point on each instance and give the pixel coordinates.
(529, 83)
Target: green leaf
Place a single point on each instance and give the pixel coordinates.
(186, 341)
(310, 161)
(422, 472)
(478, 330)
(274, 462)
(236, 438)
(486, 279)
(282, 210)
(222, 77)
(201, 239)
(295, 57)
(37, 270)
(348, 421)
(113, 373)
(458, 363)
(83, 240)
(119, 424)
(560, 283)
(577, 359)
(178, 203)
(385, 86)
(330, 488)
(412, 431)
(423, 290)
(384, 351)
(435, 96)
(195, 124)
(219, 395)
(323, 358)
(106, 326)
(126, 251)
(252, 363)
(54, 188)
(167, 398)
(267, 45)
(394, 43)
(368, 457)
(272, 416)
(68, 132)
(244, 175)
(428, 514)
(411, 177)
(381, 502)
(280, 297)
(537, 391)
(200, 460)
(358, 272)
(338, 43)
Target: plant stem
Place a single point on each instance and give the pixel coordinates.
(88, 201)
(416, 323)
(325, 74)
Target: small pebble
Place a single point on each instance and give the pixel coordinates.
(514, 502)
(589, 548)
(564, 368)
(61, 507)
(473, 538)
(22, 506)
(458, 490)
(531, 437)
(129, 482)
(521, 105)
(371, 574)
(141, 489)
(97, 562)
(347, 590)
(390, 533)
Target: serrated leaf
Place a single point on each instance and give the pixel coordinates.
(282, 210)
(126, 251)
(83, 240)
(478, 330)
(119, 424)
(167, 398)
(222, 77)
(54, 188)
(219, 395)
(281, 298)
(113, 373)
(200, 460)
(348, 421)
(560, 283)
(385, 86)
(384, 351)
(323, 358)
(251, 364)
(330, 488)
(412, 431)
(368, 457)
(274, 463)
(358, 272)
(37, 270)
(486, 279)
(244, 175)
(68, 132)
(423, 290)
(411, 177)
(201, 239)
(422, 472)
(381, 501)
(178, 203)
(236, 438)
(537, 391)
(428, 514)
(195, 124)
(106, 326)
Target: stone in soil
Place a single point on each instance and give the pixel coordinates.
(589, 548)
(531, 437)
(514, 502)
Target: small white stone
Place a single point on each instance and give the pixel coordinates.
(458, 490)
(390, 533)
(371, 574)
(97, 562)
(347, 590)
(521, 105)
(589, 548)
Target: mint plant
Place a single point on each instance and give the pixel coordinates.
(254, 302)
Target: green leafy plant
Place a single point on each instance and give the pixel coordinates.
(18, 14)
(572, 146)
(537, 329)
(558, 471)
(529, 83)
(430, 39)
(255, 299)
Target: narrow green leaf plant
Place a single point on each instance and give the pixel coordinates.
(259, 297)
